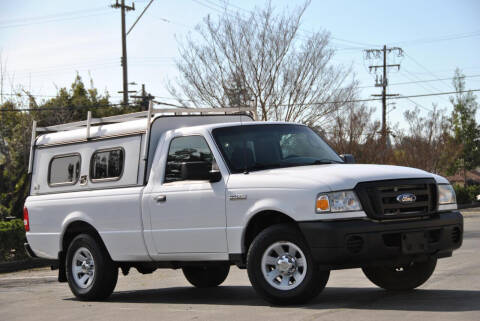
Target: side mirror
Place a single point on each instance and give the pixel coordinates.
(348, 158)
(200, 171)
(195, 171)
(215, 176)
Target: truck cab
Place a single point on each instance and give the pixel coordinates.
(207, 190)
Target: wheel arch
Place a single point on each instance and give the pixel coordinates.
(78, 227)
(261, 221)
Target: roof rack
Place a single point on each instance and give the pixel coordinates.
(128, 117)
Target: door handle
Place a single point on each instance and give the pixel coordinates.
(160, 198)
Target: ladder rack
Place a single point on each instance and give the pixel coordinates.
(143, 114)
(151, 112)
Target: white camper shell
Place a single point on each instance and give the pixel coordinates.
(204, 189)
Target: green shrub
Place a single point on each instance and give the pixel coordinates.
(12, 237)
(468, 194)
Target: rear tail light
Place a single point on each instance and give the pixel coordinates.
(26, 221)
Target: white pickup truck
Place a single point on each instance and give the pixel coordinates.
(202, 191)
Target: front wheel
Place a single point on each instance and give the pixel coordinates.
(91, 274)
(281, 268)
(401, 278)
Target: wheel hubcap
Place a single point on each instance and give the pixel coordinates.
(283, 265)
(83, 268)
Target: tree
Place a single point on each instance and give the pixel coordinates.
(262, 60)
(466, 132)
(427, 143)
(352, 131)
(15, 134)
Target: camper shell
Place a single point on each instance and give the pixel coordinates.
(137, 135)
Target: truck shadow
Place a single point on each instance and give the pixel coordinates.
(332, 298)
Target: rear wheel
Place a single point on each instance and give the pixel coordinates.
(401, 278)
(91, 274)
(281, 268)
(206, 276)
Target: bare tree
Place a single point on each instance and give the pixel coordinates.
(427, 144)
(266, 61)
(353, 131)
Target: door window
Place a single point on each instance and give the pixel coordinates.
(189, 158)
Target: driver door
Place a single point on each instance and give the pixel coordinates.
(187, 210)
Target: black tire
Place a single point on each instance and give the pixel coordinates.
(105, 271)
(401, 278)
(313, 282)
(206, 276)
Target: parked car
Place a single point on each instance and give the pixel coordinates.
(205, 191)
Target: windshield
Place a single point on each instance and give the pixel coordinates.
(257, 147)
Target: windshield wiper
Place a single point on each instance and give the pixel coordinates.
(325, 161)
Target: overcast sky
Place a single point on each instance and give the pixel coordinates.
(44, 43)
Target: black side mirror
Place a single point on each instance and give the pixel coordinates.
(348, 158)
(215, 176)
(195, 171)
(200, 171)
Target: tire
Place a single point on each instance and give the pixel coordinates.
(293, 280)
(206, 276)
(401, 278)
(89, 282)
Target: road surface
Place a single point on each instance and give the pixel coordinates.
(453, 293)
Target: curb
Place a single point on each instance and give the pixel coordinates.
(26, 264)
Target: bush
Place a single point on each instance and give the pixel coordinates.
(12, 237)
(466, 194)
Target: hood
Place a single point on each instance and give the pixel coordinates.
(328, 177)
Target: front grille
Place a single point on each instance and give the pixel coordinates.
(379, 198)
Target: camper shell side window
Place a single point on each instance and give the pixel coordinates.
(107, 164)
(64, 169)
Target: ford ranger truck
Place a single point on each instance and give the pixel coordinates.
(204, 192)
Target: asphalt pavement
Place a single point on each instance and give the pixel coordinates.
(452, 293)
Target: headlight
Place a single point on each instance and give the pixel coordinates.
(446, 194)
(334, 202)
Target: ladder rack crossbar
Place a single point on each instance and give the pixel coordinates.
(143, 114)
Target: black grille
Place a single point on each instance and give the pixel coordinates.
(379, 198)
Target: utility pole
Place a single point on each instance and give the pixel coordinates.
(124, 8)
(382, 81)
(144, 98)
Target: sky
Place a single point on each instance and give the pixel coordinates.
(43, 44)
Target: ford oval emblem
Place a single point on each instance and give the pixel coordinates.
(406, 198)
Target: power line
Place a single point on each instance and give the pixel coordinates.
(224, 10)
(280, 105)
(422, 66)
(139, 17)
(58, 19)
(419, 105)
(439, 39)
(422, 81)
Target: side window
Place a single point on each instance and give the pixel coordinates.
(64, 170)
(189, 158)
(107, 164)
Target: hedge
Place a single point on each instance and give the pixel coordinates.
(466, 194)
(12, 237)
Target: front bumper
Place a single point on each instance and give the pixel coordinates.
(358, 243)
